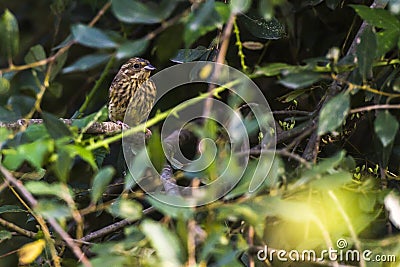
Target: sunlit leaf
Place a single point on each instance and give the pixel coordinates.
(55, 189)
(392, 204)
(87, 62)
(386, 127)
(164, 242)
(386, 41)
(92, 37)
(300, 80)
(36, 152)
(100, 182)
(239, 6)
(127, 209)
(9, 34)
(333, 113)
(266, 9)
(29, 252)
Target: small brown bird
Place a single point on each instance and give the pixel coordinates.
(132, 88)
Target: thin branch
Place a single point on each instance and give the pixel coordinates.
(374, 107)
(17, 229)
(33, 203)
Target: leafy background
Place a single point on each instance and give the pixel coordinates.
(329, 70)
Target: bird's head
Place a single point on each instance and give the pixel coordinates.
(137, 68)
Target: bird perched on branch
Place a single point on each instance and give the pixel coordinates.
(132, 88)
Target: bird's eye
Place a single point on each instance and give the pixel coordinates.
(136, 66)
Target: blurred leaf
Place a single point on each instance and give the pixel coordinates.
(201, 21)
(9, 34)
(52, 209)
(332, 181)
(134, 11)
(63, 164)
(126, 208)
(57, 65)
(29, 252)
(86, 155)
(58, 190)
(189, 55)
(333, 113)
(169, 210)
(36, 152)
(239, 6)
(273, 69)
(386, 127)
(10, 208)
(266, 9)
(132, 48)
(5, 235)
(377, 17)
(55, 89)
(166, 244)
(91, 37)
(300, 80)
(261, 28)
(100, 182)
(35, 54)
(332, 4)
(21, 104)
(392, 204)
(12, 159)
(289, 97)
(4, 134)
(55, 127)
(394, 6)
(87, 62)
(386, 41)
(365, 58)
(4, 85)
(169, 42)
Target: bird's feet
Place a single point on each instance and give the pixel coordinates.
(124, 126)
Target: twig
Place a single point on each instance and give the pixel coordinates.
(374, 107)
(292, 112)
(17, 229)
(33, 203)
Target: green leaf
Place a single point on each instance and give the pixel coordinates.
(4, 85)
(87, 62)
(35, 54)
(21, 104)
(127, 209)
(133, 11)
(91, 37)
(100, 182)
(261, 28)
(55, 89)
(59, 190)
(37, 152)
(386, 41)
(239, 6)
(57, 65)
(333, 113)
(9, 34)
(86, 155)
(266, 9)
(10, 209)
(189, 55)
(55, 127)
(332, 4)
(364, 55)
(63, 164)
(300, 80)
(386, 127)
(274, 69)
(4, 135)
(4, 235)
(166, 244)
(132, 48)
(332, 181)
(201, 21)
(52, 209)
(377, 17)
(171, 210)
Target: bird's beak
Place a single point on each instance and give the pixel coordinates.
(149, 67)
